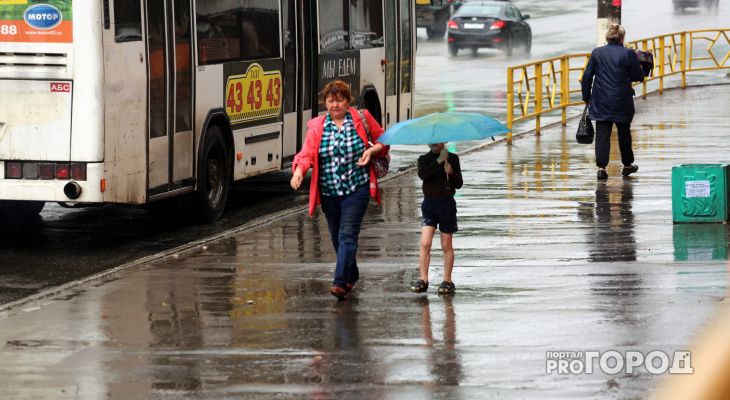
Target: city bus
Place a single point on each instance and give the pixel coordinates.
(136, 101)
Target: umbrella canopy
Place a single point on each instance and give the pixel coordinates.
(443, 127)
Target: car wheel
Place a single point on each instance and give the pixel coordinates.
(213, 176)
(474, 51)
(508, 47)
(453, 50)
(435, 33)
(528, 44)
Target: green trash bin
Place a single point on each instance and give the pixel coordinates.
(700, 193)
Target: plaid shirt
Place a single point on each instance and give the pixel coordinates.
(338, 154)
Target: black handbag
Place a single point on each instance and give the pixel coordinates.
(585, 129)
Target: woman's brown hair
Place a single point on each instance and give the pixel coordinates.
(337, 90)
(615, 33)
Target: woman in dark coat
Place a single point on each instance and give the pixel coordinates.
(609, 72)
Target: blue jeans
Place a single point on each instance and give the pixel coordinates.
(344, 218)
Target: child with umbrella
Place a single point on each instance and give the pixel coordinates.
(441, 175)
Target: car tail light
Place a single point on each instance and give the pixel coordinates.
(13, 170)
(78, 172)
(497, 25)
(453, 25)
(62, 171)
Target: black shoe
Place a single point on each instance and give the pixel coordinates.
(602, 174)
(447, 287)
(419, 286)
(630, 170)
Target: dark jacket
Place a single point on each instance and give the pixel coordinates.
(434, 177)
(610, 71)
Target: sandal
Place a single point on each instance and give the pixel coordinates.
(419, 286)
(447, 287)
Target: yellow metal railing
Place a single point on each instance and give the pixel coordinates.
(541, 87)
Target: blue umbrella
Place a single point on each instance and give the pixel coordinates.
(443, 127)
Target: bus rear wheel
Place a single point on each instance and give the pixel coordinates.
(213, 175)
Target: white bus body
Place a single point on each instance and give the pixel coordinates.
(133, 101)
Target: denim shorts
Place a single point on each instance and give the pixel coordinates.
(440, 213)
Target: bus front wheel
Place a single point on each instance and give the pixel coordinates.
(213, 176)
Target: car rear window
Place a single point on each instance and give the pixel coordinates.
(478, 10)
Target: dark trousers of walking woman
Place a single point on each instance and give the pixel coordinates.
(344, 218)
(603, 143)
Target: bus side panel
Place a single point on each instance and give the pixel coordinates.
(88, 74)
(208, 95)
(125, 122)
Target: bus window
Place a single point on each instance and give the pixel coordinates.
(290, 54)
(183, 84)
(390, 37)
(333, 25)
(158, 75)
(366, 24)
(406, 46)
(127, 21)
(229, 31)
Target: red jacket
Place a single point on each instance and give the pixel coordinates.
(308, 157)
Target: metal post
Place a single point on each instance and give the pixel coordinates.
(564, 87)
(510, 103)
(538, 95)
(609, 12)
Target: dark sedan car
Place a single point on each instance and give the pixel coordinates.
(488, 24)
(680, 5)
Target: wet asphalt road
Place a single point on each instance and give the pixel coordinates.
(66, 245)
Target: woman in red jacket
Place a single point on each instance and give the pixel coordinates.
(338, 151)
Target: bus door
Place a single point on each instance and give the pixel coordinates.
(170, 121)
(293, 115)
(399, 61)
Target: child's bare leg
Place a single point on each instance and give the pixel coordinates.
(448, 248)
(424, 254)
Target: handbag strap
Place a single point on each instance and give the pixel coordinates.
(365, 124)
(585, 114)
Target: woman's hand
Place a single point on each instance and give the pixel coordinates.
(447, 168)
(367, 154)
(296, 180)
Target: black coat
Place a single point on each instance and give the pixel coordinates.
(610, 71)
